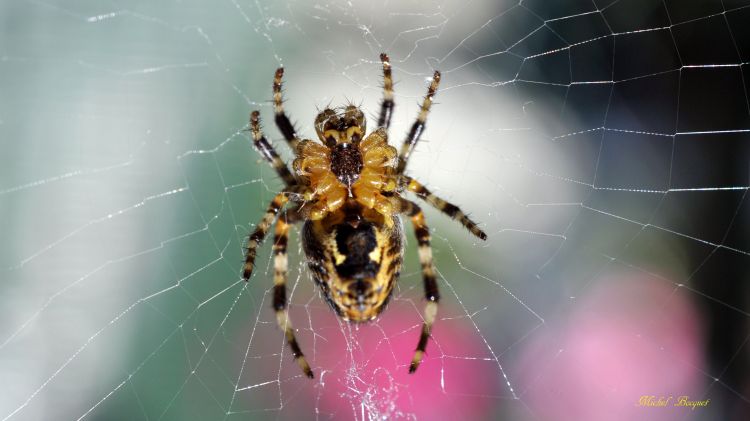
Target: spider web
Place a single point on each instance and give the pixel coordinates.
(602, 145)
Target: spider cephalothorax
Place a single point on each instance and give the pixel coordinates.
(348, 188)
(346, 166)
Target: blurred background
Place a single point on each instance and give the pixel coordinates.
(603, 145)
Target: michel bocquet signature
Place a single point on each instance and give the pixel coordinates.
(664, 401)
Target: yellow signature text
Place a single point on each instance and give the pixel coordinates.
(654, 401)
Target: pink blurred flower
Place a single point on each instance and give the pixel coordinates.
(364, 370)
(630, 337)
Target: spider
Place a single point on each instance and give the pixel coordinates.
(347, 189)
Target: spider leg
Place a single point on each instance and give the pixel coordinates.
(279, 288)
(386, 106)
(418, 127)
(256, 238)
(268, 152)
(431, 292)
(282, 121)
(443, 206)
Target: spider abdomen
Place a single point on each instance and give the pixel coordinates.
(355, 263)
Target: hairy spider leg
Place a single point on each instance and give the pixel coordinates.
(281, 264)
(418, 127)
(267, 151)
(261, 230)
(282, 121)
(453, 211)
(431, 292)
(386, 106)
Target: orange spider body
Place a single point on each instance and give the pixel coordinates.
(351, 236)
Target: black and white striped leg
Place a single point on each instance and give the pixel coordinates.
(282, 121)
(261, 230)
(386, 107)
(431, 292)
(281, 264)
(418, 127)
(267, 151)
(443, 206)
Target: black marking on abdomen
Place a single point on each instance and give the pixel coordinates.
(356, 244)
(315, 253)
